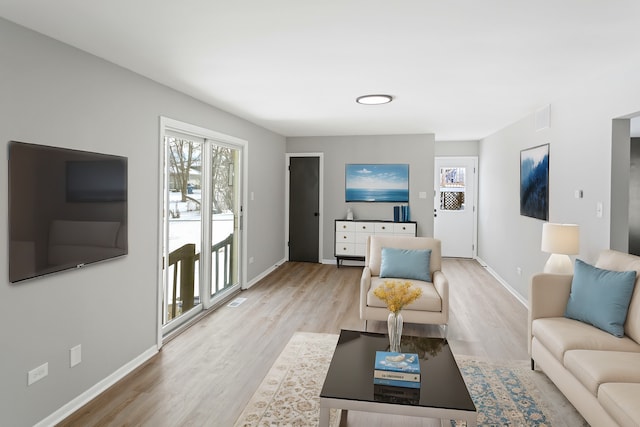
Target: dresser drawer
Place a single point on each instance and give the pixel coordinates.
(404, 229)
(345, 226)
(365, 227)
(361, 238)
(348, 249)
(384, 227)
(342, 237)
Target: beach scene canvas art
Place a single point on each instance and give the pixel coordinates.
(377, 183)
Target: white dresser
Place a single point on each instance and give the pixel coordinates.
(351, 236)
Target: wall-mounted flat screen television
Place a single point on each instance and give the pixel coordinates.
(377, 183)
(67, 209)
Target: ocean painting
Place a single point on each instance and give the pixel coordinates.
(377, 183)
(534, 182)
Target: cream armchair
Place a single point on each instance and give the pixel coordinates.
(433, 305)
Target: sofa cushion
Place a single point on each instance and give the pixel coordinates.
(619, 261)
(620, 400)
(600, 297)
(560, 334)
(406, 263)
(593, 368)
(429, 300)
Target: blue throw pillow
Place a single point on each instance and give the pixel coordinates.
(600, 297)
(406, 263)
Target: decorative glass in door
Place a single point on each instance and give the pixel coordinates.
(452, 188)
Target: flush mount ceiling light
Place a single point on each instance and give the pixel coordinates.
(374, 99)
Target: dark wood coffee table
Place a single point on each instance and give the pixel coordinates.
(349, 384)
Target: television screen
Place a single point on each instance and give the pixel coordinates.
(67, 208)
(96, 181)
(377, 183)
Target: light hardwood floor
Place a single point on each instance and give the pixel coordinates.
(206, 375)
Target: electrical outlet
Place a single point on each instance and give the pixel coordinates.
(251, 260)
(38, 373)
(519, 271)
(75, 355)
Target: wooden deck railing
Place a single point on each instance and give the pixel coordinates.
(183, 260)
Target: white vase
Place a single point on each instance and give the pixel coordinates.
(394, 324)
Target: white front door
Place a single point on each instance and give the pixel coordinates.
(454, 221)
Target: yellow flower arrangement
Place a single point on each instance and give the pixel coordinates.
(397, 294)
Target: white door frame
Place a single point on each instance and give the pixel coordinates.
(474, 159)
(168, 124)
(288, 157)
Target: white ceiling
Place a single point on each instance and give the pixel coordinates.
(461, 69)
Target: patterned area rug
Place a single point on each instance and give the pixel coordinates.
(290, 393)
(505, 393)
(511, 394)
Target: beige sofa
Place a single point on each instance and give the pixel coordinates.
(597, 372)
(433, 305)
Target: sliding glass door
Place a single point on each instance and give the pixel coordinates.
(202, 223)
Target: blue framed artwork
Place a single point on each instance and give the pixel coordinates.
(534, 182)
(377, 183)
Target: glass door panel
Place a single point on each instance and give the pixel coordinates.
(225, 219)
(452, 188)
(184, 227)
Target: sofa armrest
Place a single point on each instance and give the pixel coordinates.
(548, 297)
(441, 284)
(365, 284)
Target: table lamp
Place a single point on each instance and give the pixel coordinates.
(560, 240)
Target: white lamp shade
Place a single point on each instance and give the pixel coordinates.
(561, 238)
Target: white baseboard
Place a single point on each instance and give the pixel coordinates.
(264, 274)
(97, 389)
(350, 262)
(504, 283)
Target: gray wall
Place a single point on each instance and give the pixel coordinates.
(53, 94)
(580, 138)
(416, 150)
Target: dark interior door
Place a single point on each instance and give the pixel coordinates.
(304, 204)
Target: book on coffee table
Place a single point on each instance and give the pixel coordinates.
(400, 395)
(397, 369)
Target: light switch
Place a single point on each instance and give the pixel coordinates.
(599, 210)
(422, 195)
